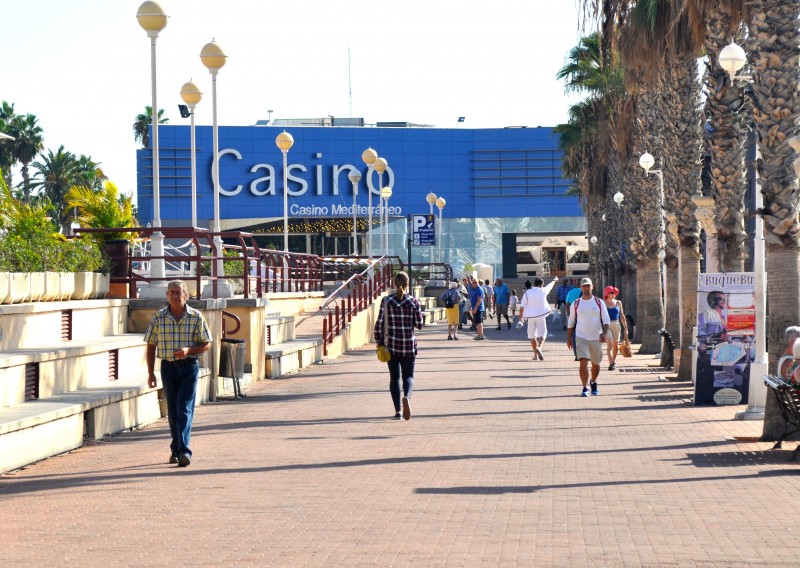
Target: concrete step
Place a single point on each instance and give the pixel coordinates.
(38, 429)
(292, 356)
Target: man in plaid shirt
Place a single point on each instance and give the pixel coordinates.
(178, 334)
(399, 316)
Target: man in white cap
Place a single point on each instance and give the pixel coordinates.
(588, 323)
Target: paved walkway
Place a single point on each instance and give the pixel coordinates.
(502, 464)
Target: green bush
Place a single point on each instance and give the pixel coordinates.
(230, 268)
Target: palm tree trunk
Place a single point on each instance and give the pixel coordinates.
(26, 183)
(690, 269)
(650, 312)
(673, 306)
(776, 110)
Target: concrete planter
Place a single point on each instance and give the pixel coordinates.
(84, 286)
(19, 287)
(5, 287)
(37, 283)
(52, 286)
(101, 284)
(67, 285)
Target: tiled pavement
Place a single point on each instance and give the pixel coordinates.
(502, 464)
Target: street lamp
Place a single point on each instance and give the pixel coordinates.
(354, 178)
(440, 203)
(284, 141)
(369, 156)
(618, 198)
(191, 95)
(379, 165)
(647, 161)
(732, 58)
(152, 19)
(431, 199)
(593, 240)
(214, 59)
(386, 193)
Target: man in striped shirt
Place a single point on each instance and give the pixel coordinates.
(177, 334)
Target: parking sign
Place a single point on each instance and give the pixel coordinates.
(423, 231)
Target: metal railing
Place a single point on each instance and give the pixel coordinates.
(262, 271)
(352, 297)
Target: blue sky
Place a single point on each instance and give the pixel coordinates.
(83, 67)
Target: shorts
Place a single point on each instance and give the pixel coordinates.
(614, 329)
(586, 349)
(477, 317)
(537, 327)
(502, 310)
(453, 315)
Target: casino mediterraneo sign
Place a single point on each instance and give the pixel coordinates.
(269, 182)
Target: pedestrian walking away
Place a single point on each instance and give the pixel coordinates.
(501, 299)
(513, 304)
(451, 298)
(177, 335)
(535, 310)
(561, 300)
(588, 329)
(400, 315)
(488, 302)
(477, 307)
(617, 324)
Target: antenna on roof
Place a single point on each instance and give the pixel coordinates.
(349, 82)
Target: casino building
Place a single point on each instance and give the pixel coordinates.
(506, 203)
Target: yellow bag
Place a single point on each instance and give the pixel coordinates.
(625, 349)
(383, 354)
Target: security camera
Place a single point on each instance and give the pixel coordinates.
(184, 110)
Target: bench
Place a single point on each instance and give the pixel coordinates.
(789, 403)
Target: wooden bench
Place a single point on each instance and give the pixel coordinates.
(789, 403)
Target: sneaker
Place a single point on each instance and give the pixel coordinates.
(479, 338)
(406, 409)
(498, 328)
(509, 325)
(540, 355)
(173, 459)
(397, 416)
(455, 337)
(585, 392)
(612, 366)
(594, 389)
(184, 460)
(449, 338)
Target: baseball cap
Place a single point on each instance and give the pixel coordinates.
(585, 281)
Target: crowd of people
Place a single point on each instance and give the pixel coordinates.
(591, 324)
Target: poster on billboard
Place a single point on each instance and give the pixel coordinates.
(726, 324)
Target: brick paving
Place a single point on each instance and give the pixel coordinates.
(502, 464)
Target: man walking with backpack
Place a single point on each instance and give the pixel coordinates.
(587, 327)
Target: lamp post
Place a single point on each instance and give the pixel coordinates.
(647, 161)
(284, 141)
(431, 199)
(191, 95)
(214, 59)
(354, 178)
(152, 19)
(369, 156)
(386, 193)
(379, 165)
(440, 203)
(732, 58)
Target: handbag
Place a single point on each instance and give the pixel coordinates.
(625, 349)
(383, 353)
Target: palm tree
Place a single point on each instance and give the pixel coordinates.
(56, 173)
(776, 111)
(29, 141)
(102, 208)
(7, 158)
(141, 125)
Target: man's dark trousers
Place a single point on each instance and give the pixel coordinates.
(180, 387)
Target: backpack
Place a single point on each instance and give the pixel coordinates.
(450, 300)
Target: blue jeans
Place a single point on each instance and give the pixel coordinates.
(180, 388)
(400, 366)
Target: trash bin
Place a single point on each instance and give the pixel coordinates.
(231, 362)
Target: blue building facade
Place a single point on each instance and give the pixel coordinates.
(502, 187)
